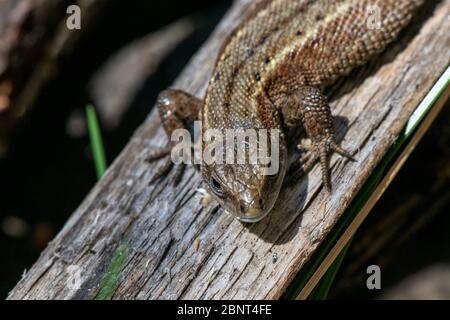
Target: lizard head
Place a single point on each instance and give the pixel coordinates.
(247, 190)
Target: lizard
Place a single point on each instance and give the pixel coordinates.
(271, 74)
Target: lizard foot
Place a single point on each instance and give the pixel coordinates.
(321, 150)
(167, 165)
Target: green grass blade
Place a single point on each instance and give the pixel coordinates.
(323, 287)
(95, 136)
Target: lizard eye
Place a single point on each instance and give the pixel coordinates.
(216, 187)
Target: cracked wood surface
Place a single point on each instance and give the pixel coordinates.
(160, 223)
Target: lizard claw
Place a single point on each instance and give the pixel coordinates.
(163, 170)
(321, 151)
(335, 147)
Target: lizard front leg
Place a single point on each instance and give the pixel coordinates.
(309, 107)
(177, 109)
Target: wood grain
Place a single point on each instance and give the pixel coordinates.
(160, 223)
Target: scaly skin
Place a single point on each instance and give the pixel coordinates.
(271, 74)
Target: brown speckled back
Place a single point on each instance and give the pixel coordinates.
(290, 44)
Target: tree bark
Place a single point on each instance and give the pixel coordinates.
(154, 241)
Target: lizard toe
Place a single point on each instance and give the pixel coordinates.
(335, 147)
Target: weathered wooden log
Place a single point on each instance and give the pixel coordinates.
(134, 239)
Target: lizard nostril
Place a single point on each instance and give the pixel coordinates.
(242, 207)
